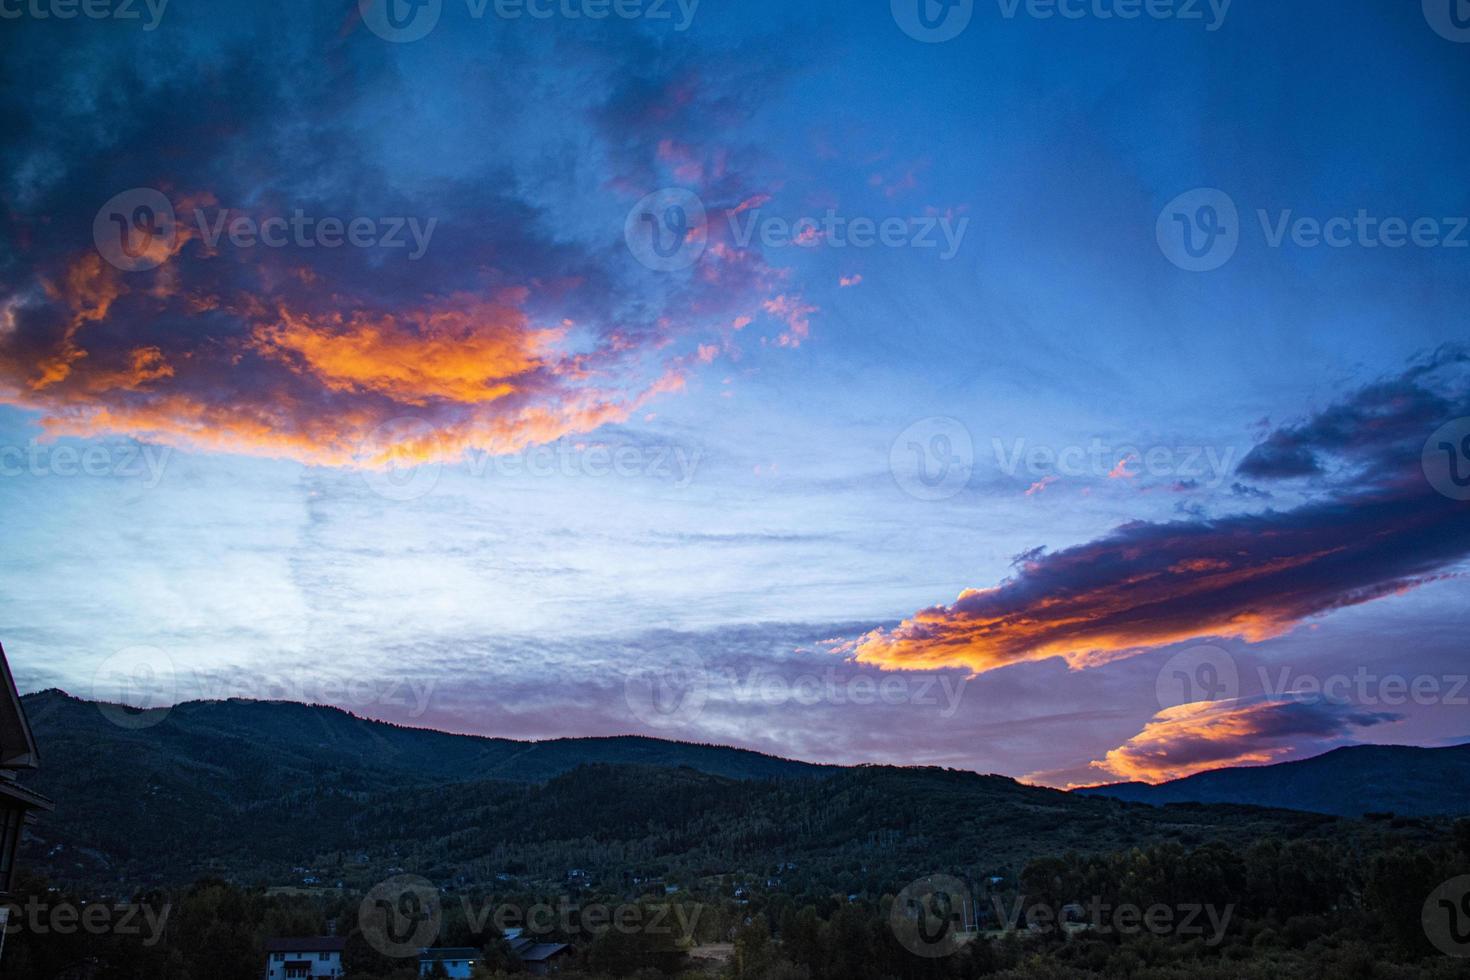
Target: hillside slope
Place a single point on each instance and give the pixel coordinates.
(1346, 782)
(288, 794)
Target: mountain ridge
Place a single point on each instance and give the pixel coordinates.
(287, 794)
(1349, 781)
(469, 756)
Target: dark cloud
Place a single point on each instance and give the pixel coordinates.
(1377, 528)
(521, 319)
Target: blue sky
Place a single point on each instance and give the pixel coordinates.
(247, 526)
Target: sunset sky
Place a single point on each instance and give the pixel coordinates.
(975, 490)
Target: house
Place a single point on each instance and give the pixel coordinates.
(454, 962)
(303, 958)
(18, 805)
(539, 959)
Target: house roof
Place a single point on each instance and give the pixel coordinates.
(306, 944)
(16, 793)
(542, 951)
(449, 953)
(17, 745)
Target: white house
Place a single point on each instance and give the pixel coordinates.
(455, 963)
(300, 959)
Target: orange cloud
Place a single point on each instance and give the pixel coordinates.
(471, 354)
(1206, 735)
(322, 387)
(1380, 532)
(1040, 485)
(1121, 471)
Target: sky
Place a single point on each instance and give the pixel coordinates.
(1068, 390)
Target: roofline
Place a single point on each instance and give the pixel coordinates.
(11, 790)
(30, 758)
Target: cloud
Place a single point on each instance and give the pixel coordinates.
(525, 320)
(1121, 471)
(1190, 738)
(1376, 528)
(1040, 485)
